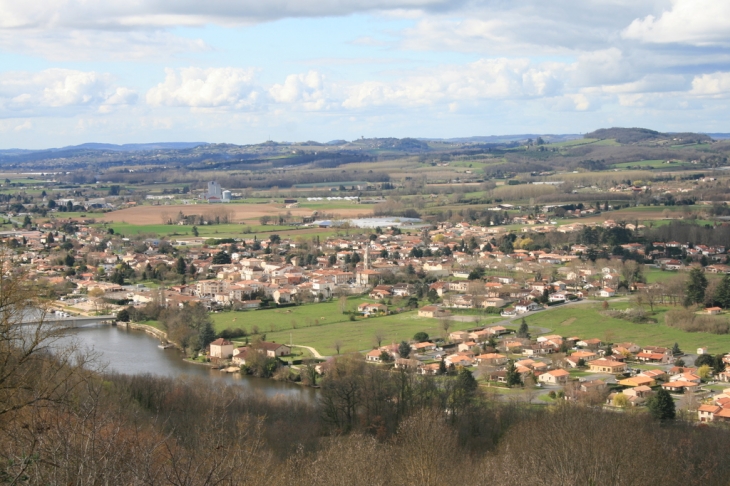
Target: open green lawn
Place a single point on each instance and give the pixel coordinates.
(654, 275)
(587, 321)
(331, 326)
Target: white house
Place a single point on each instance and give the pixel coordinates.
(554, 377)
(221, 348)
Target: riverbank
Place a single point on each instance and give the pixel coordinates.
(161, 335)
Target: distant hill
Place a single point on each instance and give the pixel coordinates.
(638, 135)
(507, 138)
(136, 147)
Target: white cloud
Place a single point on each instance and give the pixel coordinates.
(483, 79)
(90, 45)
(112, 14)
(715, 85)
(696, 22)
(206, 88)
(58, 90)
(305, 89)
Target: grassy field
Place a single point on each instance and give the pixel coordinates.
(654, 275)
(586, 321)
(655, 164)
(321, 325)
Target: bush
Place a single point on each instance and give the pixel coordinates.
(232, 333)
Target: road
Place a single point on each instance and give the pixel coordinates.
(314, 352)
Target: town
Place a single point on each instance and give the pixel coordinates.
(509, 296)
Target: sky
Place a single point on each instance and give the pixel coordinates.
(247, 71)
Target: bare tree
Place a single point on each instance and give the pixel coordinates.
(379, 336)
(342, 303)
(337, 345)
(445, 326)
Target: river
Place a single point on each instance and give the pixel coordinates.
(135, 352)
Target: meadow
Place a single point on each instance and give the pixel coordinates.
(321, 325)
(587, 321)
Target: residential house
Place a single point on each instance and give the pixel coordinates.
(221, 348)
(554, 377)
(605, 365)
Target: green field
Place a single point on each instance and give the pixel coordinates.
(331, 325)
(210, 231)
(654, 275)
(654, 164)
(586, 321)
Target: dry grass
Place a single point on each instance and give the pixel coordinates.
(237, 213)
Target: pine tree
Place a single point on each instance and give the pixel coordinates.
(695, 287)
(523, 331)
(206, 334)
(722, 293)
(404, 349)
(180, 266)
(675, 349)
(661, 406)
(513, 377)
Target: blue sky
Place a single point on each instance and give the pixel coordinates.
(243, 71)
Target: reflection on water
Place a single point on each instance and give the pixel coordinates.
(135, 352)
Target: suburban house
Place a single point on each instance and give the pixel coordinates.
(373, 356)
(605, 365)
(221, 348)
(554, 377)
(372, 309)
(432, 311)
(526, 306)
(274, 350)
(607, 292)
(493, 359)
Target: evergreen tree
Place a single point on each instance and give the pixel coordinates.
(523, 331)
(221, 258)
(675, 349)
(195, 231)
(206, 334)
(117, 277)
(722, 293)
(466, 382)
(513, 377)
(661, 406)
(404, 349)
(695, 287)
(442, 367)
(180, 266)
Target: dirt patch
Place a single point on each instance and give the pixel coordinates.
(568, 322)
(237, 213)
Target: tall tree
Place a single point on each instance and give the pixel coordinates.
(180, 266)
(524, 330)
(722, 292)
(696, 286)
(206, 334)
(661, 406)
(404, 349)
(513, 377)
